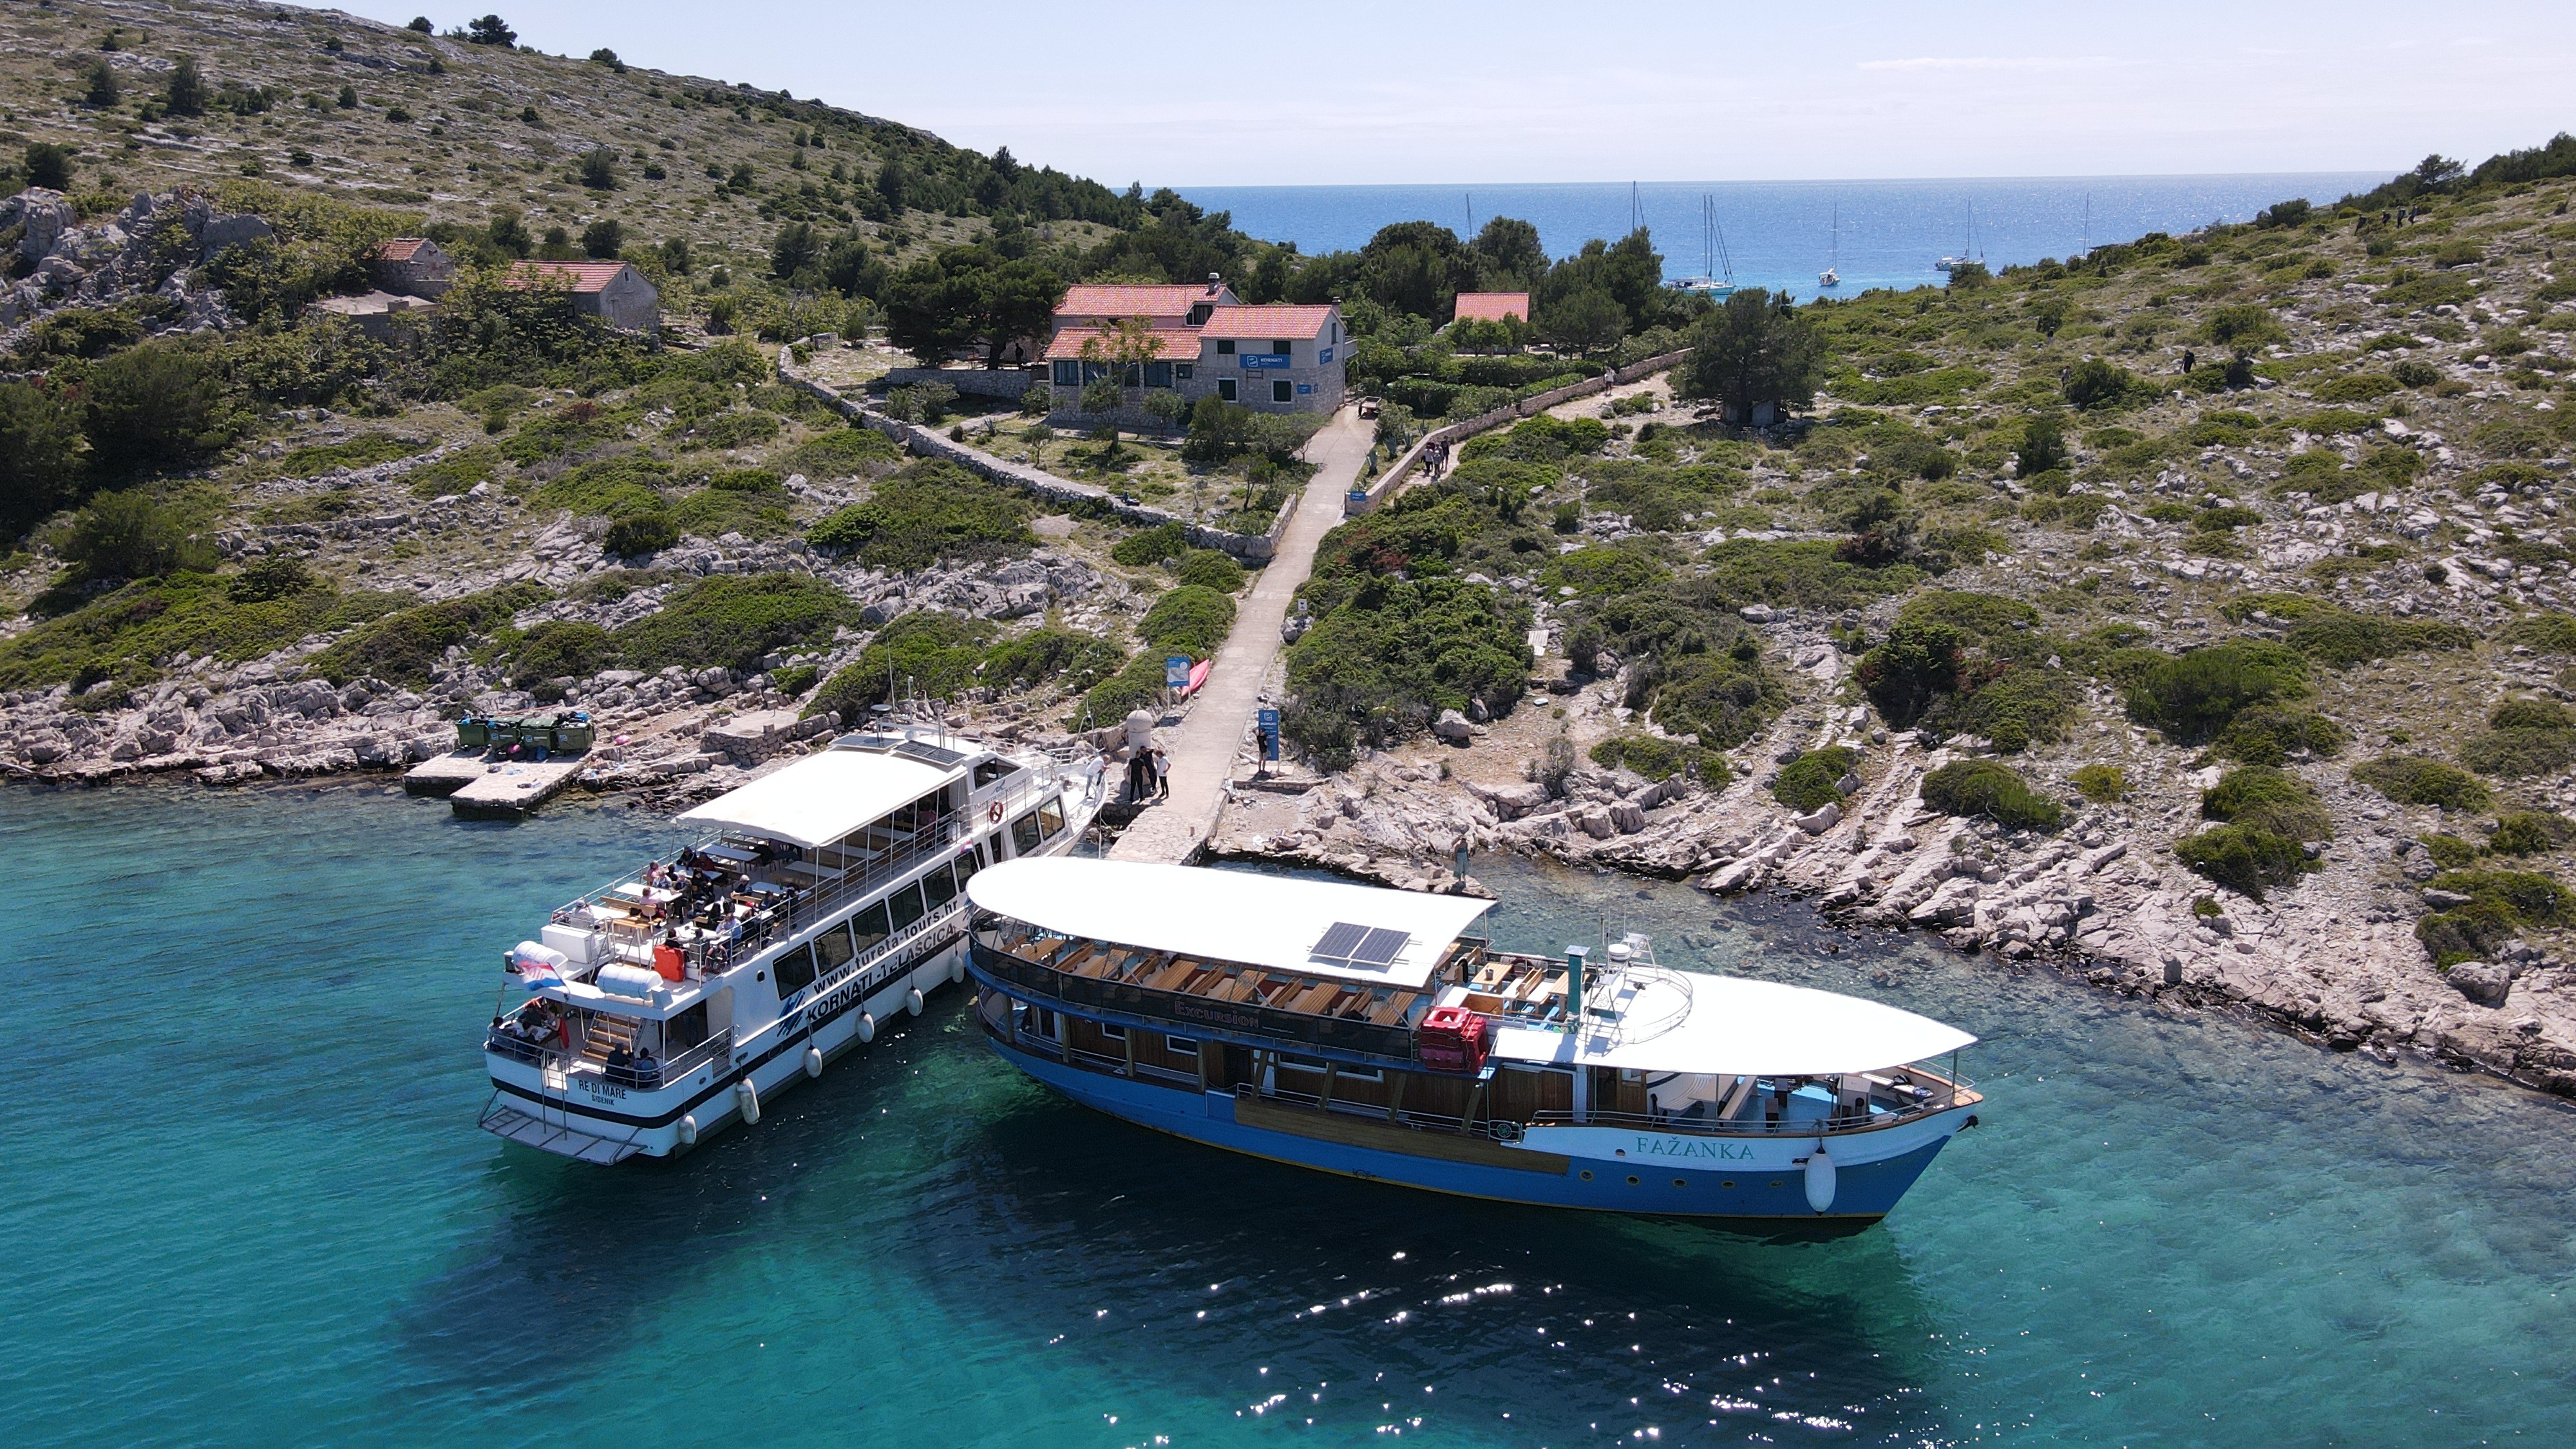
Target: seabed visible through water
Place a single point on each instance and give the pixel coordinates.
(247, 1202)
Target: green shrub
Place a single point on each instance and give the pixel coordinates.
(1137, 686)
(1069, 660)
(2101, 784)
(2262, 798)
(2500, 902)
(559, 648)
(732, 621)
(2244, 859)
(1996, 791)
(2024, 706)
(2530, 714)
(403, 645)
(2548, 633)
(847, 453)
(160, 405)
(643, 533)
(1803, 574)
(2269, 734)
(923, 513)
(2415, 780)
(2098, 386)
(2515, 753)
(1725, 697)
(278, 576)
(2450, 852)
(1657, 758)
(1392, 653)
(131, 535)
(924, 653)
(1914, 666)
(1616, 568)
(792, 680)
(2194, 696)
(1210, 568)
(1811, 781)
(1191, 620)
(1152, 545)
(2530, 832)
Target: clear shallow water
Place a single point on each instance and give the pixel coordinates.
(245, 1202)
(1782, 232)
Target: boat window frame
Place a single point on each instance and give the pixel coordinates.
(802, 957)
(911, 891)
(884, 928)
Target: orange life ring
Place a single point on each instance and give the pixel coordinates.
(994, 814)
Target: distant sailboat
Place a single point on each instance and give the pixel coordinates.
(1832, 275)
(1713, 255)
(1968, 251)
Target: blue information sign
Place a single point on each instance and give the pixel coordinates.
(1259, 360)
(1324, 356)
(1269, 726)
(1176, 671)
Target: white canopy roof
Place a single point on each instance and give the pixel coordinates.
(1753, 1028)
(821, 798)
(1228, 915)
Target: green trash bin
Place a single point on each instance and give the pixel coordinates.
(473, 733)
(573, 735)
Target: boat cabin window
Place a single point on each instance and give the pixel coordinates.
(685, 1030)
(1051, 818)
(1113, 1033)
(832, 949)
(906, 905)
(941, 886)
(969, 863)
(870, 926)
(1024, 835)
(992, 770)
(795, 971)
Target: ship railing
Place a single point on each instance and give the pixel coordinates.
(543, 1055)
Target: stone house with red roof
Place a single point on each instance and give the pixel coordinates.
(1207, 343)
(614, 292)
(412, 266)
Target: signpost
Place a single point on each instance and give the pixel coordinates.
(1176, 672)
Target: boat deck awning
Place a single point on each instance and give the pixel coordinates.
(821, 798)
(1751, 1028)
(1316, 928)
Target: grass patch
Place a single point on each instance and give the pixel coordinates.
(2266, 799)
(2192, 697)
(363, 451)
(846, 453)
(1658, 758)
(2101, 784)
(927, 512)
(405, 644)
(2415, 780)
(733, 621)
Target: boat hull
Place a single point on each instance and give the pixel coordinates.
(1757, 1184)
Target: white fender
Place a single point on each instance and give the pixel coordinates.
(867, 1027)
(957, 970)
(689, 1130)
(747, 1097)
(1820, 1180)
(912, 1001)
(814, 1061)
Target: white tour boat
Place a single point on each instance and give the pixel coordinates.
(827, 896)
(1377, 1034)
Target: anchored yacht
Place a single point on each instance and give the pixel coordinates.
(1376, 1034)
(824, 897)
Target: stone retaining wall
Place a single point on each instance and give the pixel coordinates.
(1393, 479)
(1010, 382)
(929, 443)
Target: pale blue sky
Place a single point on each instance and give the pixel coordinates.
(1321, 92)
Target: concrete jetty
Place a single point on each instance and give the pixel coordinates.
(1202, 750)
(483, 789)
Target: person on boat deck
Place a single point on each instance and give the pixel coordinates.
(647, 1070)
(621, 1064)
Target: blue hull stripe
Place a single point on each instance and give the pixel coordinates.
(1864, 1192)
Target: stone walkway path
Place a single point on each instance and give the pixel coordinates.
(1202, 749)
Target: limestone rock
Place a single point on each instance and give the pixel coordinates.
(2484, 984)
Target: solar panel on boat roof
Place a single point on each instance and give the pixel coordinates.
(928, 754)
(1380, 948)
(1338, 941)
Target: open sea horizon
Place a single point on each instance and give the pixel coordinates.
(246, 1204)
(1781, 234)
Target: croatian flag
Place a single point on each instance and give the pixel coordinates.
(537, 966)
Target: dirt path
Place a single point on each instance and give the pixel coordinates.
(1202, 749)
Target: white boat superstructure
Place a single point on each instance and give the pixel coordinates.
(825, 897)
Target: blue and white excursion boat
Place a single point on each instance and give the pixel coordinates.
(1377, 1034)
(824, 898)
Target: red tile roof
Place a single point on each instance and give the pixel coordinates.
(401, 248)
(1172, 344)
(1493, 306)
(1277, 320)
(1130, 301)
(584, 276)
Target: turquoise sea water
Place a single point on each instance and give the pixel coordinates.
(245, 1202)
(1781, 233)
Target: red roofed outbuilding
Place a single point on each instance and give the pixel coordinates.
(614, 292)
(411, 266)
(1492, 306)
